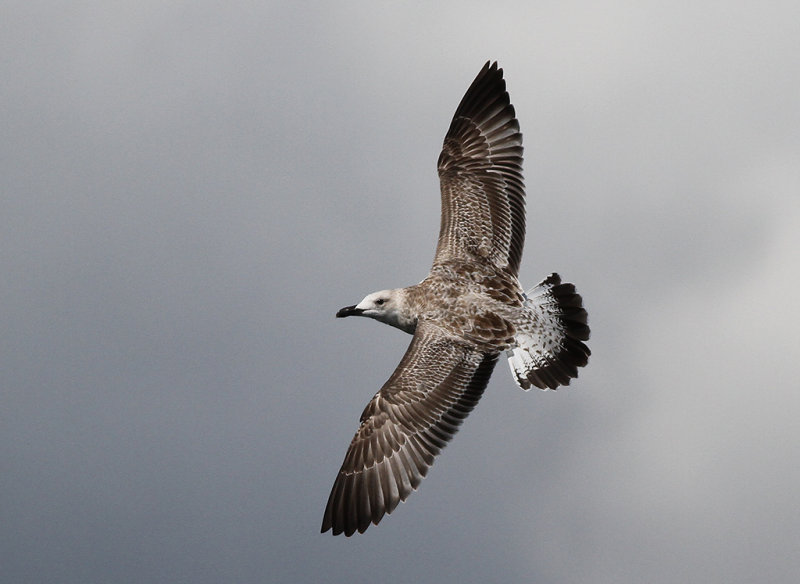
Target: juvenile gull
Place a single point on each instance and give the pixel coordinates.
(468, 310)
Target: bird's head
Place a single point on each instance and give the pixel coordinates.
(386, 306)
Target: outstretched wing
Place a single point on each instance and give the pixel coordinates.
(407, 423)
(480, 171)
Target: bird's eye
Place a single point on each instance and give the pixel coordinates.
(380, 301)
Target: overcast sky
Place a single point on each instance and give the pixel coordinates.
(190, 190)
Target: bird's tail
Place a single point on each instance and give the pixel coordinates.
(549, 348)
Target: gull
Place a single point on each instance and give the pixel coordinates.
(463, 315)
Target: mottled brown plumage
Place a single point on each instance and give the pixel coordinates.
(468, 310)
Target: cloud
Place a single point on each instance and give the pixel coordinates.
(191, 193)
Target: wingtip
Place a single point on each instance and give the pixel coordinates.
(491, 68)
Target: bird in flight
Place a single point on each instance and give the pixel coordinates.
(463, 315)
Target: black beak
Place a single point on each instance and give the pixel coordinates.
(349, 311)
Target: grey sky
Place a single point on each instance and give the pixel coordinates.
(191, 190)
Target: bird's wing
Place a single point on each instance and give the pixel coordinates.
(413, 416)
(480, 171)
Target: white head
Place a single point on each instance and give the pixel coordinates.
(387, 306)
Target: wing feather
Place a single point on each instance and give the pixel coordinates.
(419, 409)
(480, 172)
